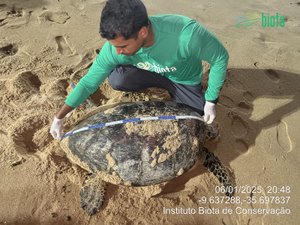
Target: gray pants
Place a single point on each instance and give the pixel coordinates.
(129, 78)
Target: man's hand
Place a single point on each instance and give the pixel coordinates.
(56, 129)
(209, 112)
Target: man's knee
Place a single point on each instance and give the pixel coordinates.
(127, 78)
(116, 80)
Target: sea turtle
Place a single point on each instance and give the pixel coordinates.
(140, 153)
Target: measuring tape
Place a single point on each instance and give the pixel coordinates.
(129, 120)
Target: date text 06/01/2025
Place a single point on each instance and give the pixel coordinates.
(254, 189)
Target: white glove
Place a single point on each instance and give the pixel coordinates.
(209, 112)
(56, 129)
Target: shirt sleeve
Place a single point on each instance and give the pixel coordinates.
(207, 47)
(104, 63)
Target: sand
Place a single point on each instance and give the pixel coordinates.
(45, 45)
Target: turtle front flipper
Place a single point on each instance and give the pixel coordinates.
(215, 166)
(92, 195)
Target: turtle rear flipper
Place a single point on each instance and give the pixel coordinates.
(211, 132)
(215, 166)
(92, 195)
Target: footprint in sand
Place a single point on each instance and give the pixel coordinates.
(295, 3)
(236, 84)
(248, 96)
(8, 50)
(239, 126)
(24, 84)
(15, 17)
(241, 146)
(54, 17)
(273, 75)
(283, 137)
(63, 46)
(3, 15)
(30, 133)
(245, 107)
(15, 12)
(226, 101)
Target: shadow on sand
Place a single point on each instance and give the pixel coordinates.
(245, 108)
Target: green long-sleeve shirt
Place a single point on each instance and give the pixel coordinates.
(180, 46)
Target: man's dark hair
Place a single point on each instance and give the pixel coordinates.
(122, 18)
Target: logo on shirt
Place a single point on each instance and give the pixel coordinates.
(155, 68)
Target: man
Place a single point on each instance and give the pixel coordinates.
(162, 51)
